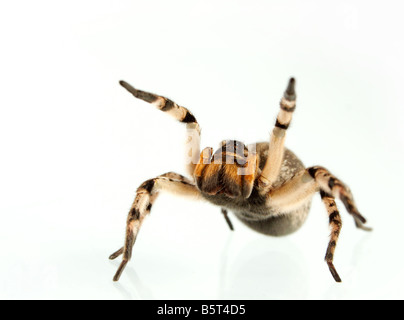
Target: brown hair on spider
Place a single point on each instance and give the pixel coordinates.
(231, 170)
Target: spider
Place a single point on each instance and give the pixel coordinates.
(265, 185)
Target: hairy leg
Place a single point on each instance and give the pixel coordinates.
(301, 188)
(294, 193)
(145, 196)
(273, 164)
(181, 114)
(304, 184)
(336, 225)
(335, 187)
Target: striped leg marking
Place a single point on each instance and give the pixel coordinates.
(335, 187)
(277, 141)
(141, 207)
(336, 225)
(179, 113)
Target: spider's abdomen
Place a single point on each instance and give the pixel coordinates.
(279, 224)
(255, 212)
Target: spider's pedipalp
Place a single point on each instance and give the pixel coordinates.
(141, 207)
(181, 114)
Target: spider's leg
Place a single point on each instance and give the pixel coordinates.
(145, 196)
(226, 216)
(298, 191)
(151, 201)
(335, 224)
(335, 187)
(273, 163)
(116, 254)
(302, 186)
(294, 193)
(179, 113)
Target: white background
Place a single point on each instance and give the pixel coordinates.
(75, 145)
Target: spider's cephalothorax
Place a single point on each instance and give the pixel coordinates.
(265, 185)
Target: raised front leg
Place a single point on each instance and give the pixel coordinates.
(276, 150)
(145, 196)
(179, 113)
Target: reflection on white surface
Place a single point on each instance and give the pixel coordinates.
(262, 268)
(261, 273)
(226, 265)
(139, 291)
(256, 272)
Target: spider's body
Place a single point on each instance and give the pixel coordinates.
(265, 185)
(254, 210)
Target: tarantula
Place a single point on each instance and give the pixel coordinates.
(265, 185)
